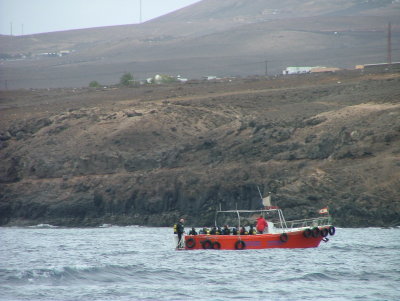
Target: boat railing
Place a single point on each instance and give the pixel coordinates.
(279, 220)
(311, 222)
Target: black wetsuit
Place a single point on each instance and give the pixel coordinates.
(179, 230)
(193, 232)
(227, 231)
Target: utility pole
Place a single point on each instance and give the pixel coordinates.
(22, 29)
(10, 28)
(266, 68)
(140, 11)
(389, 44)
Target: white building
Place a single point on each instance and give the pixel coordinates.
(297, 70)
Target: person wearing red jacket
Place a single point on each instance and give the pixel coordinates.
(261, 224)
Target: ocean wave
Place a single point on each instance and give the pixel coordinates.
(43, 226)
(110, 273)
(341, 248)
(311, 277)
(106, 273)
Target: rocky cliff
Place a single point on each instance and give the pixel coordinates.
(148, 155)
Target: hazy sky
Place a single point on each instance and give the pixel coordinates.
(35, 16)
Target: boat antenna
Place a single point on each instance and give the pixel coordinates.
(259, 192)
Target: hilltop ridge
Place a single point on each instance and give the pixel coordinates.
(222, 38)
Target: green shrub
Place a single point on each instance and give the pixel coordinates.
(126, 79)
(94, 84)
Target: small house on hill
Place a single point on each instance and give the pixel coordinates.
(297, 70)
(315, 69)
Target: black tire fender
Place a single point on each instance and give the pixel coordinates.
(240, 245)
(216, 245)
(284, 237)
(190, 243)
(332, 230)
(324, 232)
(207, 244)
(315, 232)
(307, 233)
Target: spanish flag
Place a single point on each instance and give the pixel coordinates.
(323, 210)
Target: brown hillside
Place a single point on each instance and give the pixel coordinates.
(150, 154)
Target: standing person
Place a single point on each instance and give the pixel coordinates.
(180, 229)
(261, 224)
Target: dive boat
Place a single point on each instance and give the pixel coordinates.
(306, 233)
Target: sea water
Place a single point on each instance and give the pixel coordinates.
(141, 263)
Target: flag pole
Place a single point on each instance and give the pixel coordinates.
(259, 192)
(261, 198)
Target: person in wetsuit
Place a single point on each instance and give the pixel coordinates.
(234, 231)
(213, 231)
(180, 229)
(193, 232)
(226, 230)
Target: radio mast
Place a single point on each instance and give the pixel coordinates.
(389, 44)
(140, 11)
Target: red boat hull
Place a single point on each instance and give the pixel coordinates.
(295, 239)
